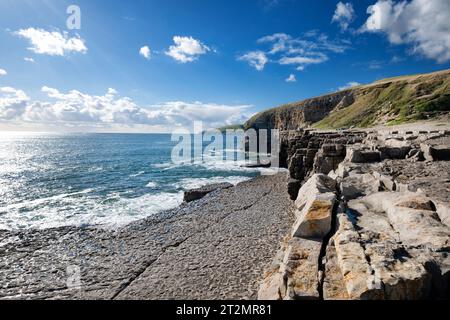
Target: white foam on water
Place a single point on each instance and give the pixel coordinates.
(151, 184)
(216, 163)
(137, 174)
(61, 211)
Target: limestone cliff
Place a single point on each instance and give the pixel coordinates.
(372, 217)
(388, 101)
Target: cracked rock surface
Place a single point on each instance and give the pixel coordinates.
(388, 236)
(216, 247)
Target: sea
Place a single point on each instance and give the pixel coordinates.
(51, 180)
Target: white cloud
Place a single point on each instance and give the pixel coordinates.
(52, 43)
(349, 85)
(312, 47)
(27, 59)
(75, 108)
(279, 40)
(422, 24)
(3, 72)
(343, 15)
(256, 59)
(301, 61)
(291, 78)
(12, 103)
(186, 49)
(145, 52)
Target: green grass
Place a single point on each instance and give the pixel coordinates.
(231, 127)
(394, 103)
(390, 101)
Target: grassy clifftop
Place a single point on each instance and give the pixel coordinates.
(389, 101)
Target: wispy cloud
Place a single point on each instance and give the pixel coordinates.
(312, 47)
(75, 108)
(145, 52)
(3, 72)
(54, 43)
(256, 59)
(422, 24)
(186, 49)
(27, 59)
(343, 15)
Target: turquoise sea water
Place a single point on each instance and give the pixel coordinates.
(50, 180)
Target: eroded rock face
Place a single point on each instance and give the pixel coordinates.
(315, 203)
(379, 221)
(301, 267)
(297, 274)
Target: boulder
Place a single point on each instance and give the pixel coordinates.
(414, 218)
(314, 220)
(256, 165)
(315, 202)
(362, 156)
(196, 194)
(443, 211)
(360, 184)
(435, 153)
(388, 152)
(317, 184)
(373, 263)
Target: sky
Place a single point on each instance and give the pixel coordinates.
(158, 65)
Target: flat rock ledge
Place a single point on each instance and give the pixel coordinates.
(198, 193)
(372, 218)
(213, 248)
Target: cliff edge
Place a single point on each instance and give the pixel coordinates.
(388, 101)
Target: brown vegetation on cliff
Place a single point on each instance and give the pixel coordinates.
(389, 101)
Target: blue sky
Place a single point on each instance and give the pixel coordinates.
(232, 58)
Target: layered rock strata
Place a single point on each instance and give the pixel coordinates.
(372, 217)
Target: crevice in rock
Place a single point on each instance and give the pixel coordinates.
(326, 241)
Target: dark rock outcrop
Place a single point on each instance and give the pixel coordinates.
(198, 193)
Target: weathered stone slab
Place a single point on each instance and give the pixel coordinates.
(374, 265)
(436, 152)
(317, 184)
(362, 156)
(414, 218)
(273, 286)
(315, 203)
(302, 269)
(314, 220)
(333, 283)
(352, 261)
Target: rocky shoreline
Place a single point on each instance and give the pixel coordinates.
(213, 248)
(372, 217)
(357, 215)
